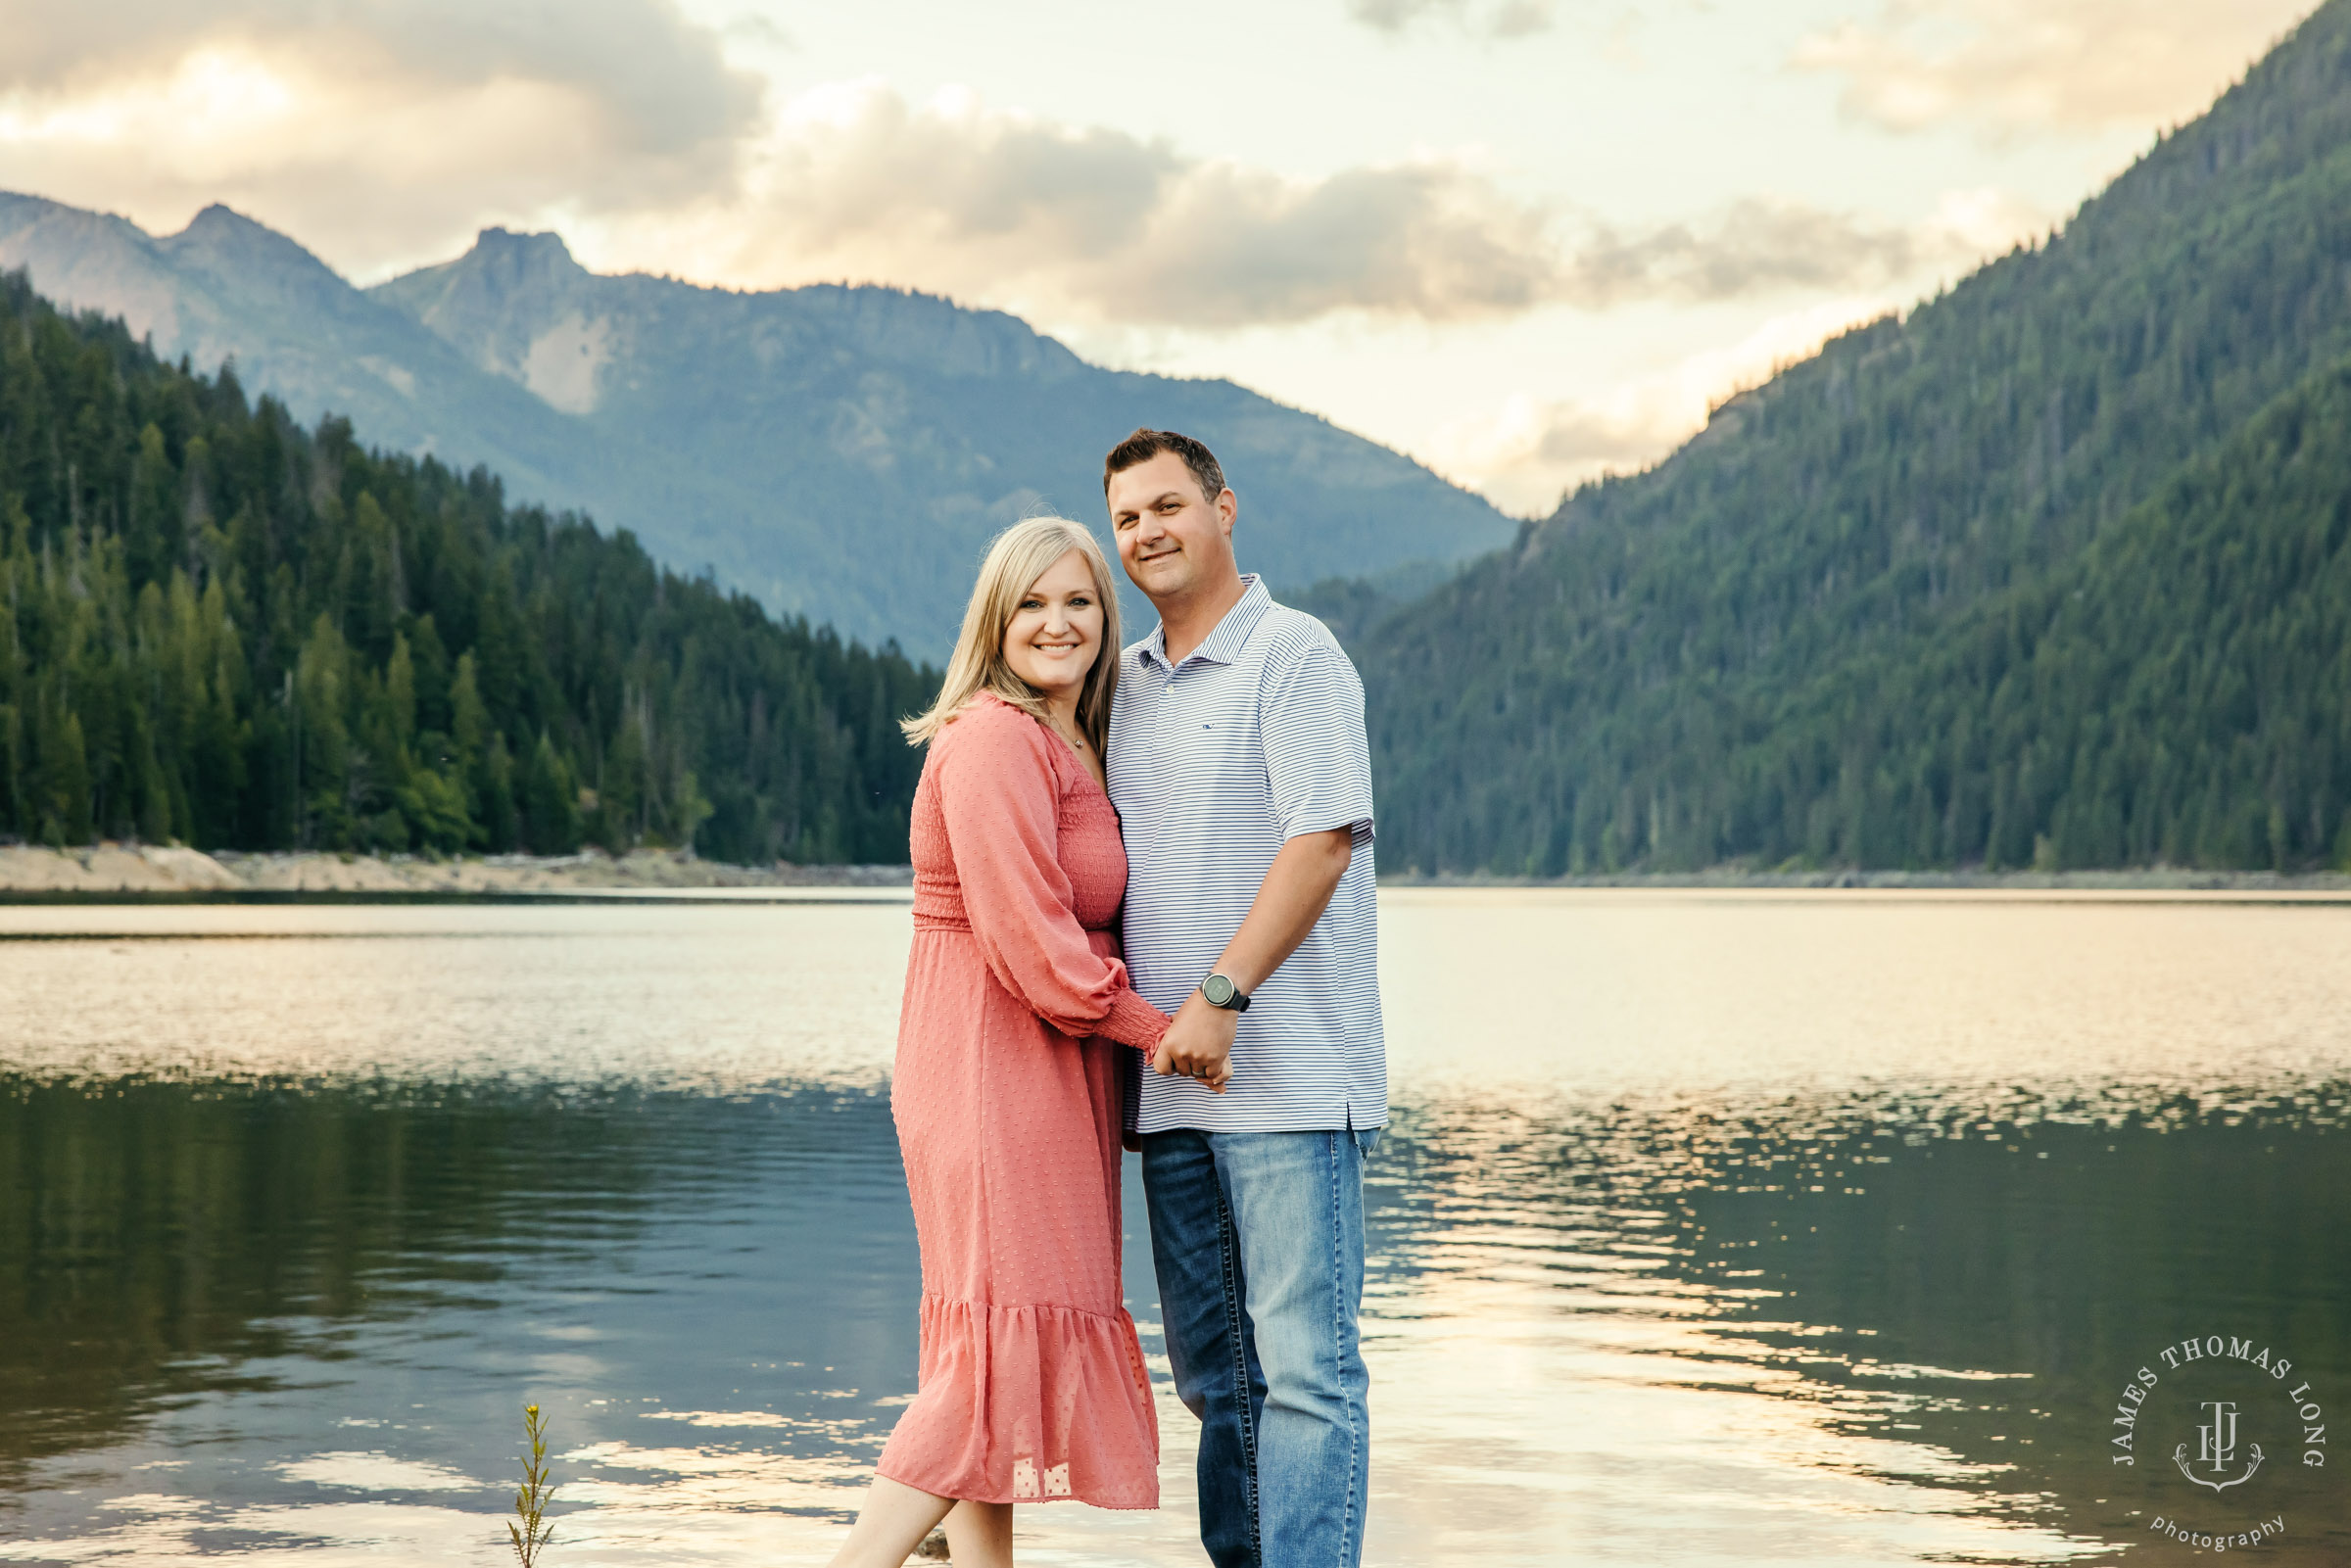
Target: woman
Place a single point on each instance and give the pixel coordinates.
(1007, 1091)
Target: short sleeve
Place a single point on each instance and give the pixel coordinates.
(1310, 724)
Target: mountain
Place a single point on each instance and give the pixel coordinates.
(219, 628)
(838, 452)
(876, 438)
(2050, 571)
(226, 287)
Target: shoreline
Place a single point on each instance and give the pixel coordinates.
(2143, 880)
(148, 873)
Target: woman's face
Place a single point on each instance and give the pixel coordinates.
(1056, 629)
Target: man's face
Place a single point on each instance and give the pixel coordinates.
(1171, 537)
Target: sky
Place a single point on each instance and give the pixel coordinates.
(1526, 241)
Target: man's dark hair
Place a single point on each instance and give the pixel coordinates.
(1147, 444)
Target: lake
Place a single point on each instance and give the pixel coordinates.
(1712, 1228)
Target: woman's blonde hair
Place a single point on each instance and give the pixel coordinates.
(1016, 560)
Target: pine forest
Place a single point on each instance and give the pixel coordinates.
(224, 630)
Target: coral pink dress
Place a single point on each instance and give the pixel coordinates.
(1008, 1099)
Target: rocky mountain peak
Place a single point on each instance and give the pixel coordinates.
(505, 260)
(223, 234)
(249, 260)
(219, 217)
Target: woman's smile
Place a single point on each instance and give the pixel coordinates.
(1056, 630)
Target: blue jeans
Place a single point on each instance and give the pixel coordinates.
(1258, 1242)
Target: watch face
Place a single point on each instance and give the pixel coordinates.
(1217, 989)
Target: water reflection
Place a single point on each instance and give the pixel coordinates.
(275, 1295)
(1713, 1300)
(1878, 1328)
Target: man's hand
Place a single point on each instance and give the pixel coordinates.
(1198, 1044)
(1296, 890)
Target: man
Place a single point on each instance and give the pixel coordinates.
(1243, 781)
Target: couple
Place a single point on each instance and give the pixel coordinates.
(1213, 780)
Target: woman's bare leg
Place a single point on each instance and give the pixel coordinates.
(892, 1523)
(980, 1535)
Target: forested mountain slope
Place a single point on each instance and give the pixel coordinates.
(217, 628)
(1735, 656)
(841, 453)
(2178, 695)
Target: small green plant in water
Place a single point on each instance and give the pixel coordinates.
(532, 1533)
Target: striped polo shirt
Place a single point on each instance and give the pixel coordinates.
(1214, 764)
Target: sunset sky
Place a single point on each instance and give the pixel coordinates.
(1523, 240)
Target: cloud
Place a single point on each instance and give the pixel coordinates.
(1087, 226)
(1763, 246)
(1496, 18)
(1759, 245)
(369, 124)
(2013, 66)
(953, 195)
(1526, 453)
(384, 132)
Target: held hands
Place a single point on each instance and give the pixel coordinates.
(1296, 890)
(1198, 1044)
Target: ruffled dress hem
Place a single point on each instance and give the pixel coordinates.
(1028, 1404)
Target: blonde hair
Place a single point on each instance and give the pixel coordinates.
(1016, 560)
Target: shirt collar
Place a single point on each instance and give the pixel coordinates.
(1223, 644)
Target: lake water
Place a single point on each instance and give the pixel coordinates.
(1711, 1229)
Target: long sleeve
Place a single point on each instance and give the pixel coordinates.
(996, 791)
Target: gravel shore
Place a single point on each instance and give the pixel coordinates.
(159, 869)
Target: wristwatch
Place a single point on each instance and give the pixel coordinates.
(1220, 991)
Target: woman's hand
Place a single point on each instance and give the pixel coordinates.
(1198, 1044)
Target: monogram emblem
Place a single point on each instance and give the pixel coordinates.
(2216, 1449)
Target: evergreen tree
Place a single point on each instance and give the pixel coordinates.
(219, 628)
